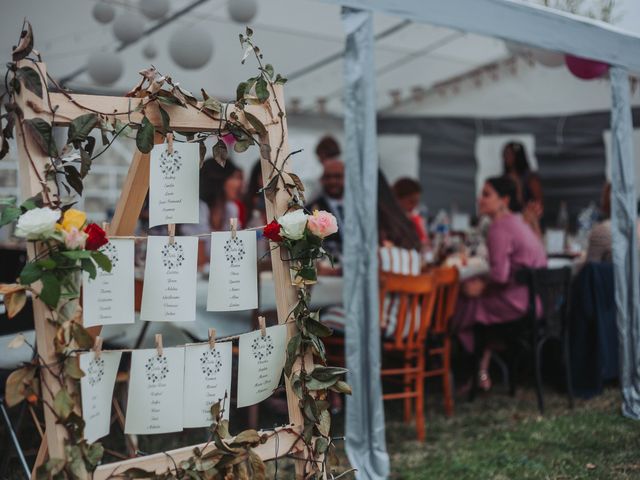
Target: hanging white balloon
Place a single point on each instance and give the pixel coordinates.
(105, 68)
(103, 12)
(548, 58)
(191, 48)
(242, 11)
(150, 51)
(154, 9)
(128, 27)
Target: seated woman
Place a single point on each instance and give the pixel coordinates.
(512, 245)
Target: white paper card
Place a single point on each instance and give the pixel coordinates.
(233, 274)
(260, 364)
(109, 298)
(460, 222)
(155, 395)
(173, 184)
(170, 274)
(207, 380)
(96, 390)
(554, 241)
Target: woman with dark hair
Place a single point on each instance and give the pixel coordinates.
(528, 187)
(220, 192)
(497, 297)
(394, 227)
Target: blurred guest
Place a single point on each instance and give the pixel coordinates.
(408, 192)
(331, 200)
(394, 227)
(328, 149)
(220, 193)
(600, 246)
(528, 187)
(511, 244)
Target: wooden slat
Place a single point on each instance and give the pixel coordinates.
(45, 331)
(285, 441)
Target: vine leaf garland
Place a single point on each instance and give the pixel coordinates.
(53, 275)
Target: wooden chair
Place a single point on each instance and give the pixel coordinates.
(439, 338)
(412, 298)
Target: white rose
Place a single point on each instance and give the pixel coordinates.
(36, 223)
(292, 224)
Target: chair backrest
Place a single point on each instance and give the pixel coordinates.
(399, 260)
(447, 289)
(414, 297)
(551, 288)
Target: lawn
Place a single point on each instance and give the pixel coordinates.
(499, 437)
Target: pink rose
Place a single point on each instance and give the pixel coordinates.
(74, 239)
(322, 224)
(229, 140)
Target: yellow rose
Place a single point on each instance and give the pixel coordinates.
(73, 219)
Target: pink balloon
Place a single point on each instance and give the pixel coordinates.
(584, 68)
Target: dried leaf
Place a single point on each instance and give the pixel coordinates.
(213, 105)
(40, 130)
(15, 302)
(63, 404)
(271, 189)
(220, 153)
(255, 123)
(296, 180)
(166, 120)
(81, 126)
(30, 79)
(72, 368)
(145, 136)
(265, 151)
(248, 436)
(17, 341)
(25, 45)
(17, 383)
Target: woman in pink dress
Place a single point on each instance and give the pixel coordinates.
(512, 245)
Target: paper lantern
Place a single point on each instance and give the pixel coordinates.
(154, 9)
(128, 27)
(191, 48)
(150, 51)
(242, 11)
(103, 12)
(105, 68)
(584, 68)
(548, 58)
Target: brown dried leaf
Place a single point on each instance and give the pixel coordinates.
(220, 153)
(17, 383)
(15, 302)
(25, 46)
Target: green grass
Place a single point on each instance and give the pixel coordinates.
(499, 437)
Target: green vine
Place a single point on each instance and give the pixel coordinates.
(71, 247)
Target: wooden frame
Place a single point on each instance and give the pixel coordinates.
(32, 165)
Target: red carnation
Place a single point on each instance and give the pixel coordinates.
(272, 231)
(96, 237)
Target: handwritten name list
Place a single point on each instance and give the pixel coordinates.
(155, 395)
(173, 184)
(169, 292)
(233, 277)
(109, 298)
(260, 364)
(207, 380)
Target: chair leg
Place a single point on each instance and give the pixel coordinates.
(567, 368)
(447, 387)
(14, 440)
(538, 366)
(408, 402)
(419, 384)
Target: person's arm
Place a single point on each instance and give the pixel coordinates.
(499, 245)
(535, 187)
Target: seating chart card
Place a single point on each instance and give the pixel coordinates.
(169, 292)
(173, 184)
(207, 380)
(260, 364)
(233, 275)
(96, 390)
(155, 395)
(109, 298)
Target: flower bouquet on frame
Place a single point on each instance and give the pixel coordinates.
(68, 246)
(302, 235)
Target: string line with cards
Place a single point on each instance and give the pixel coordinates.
(75, 389)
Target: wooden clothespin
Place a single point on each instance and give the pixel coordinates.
(171, 228)
(233, 222)
(170, 143)
(159, 344)
(212, 338)
(262, 322)
(97, 347)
